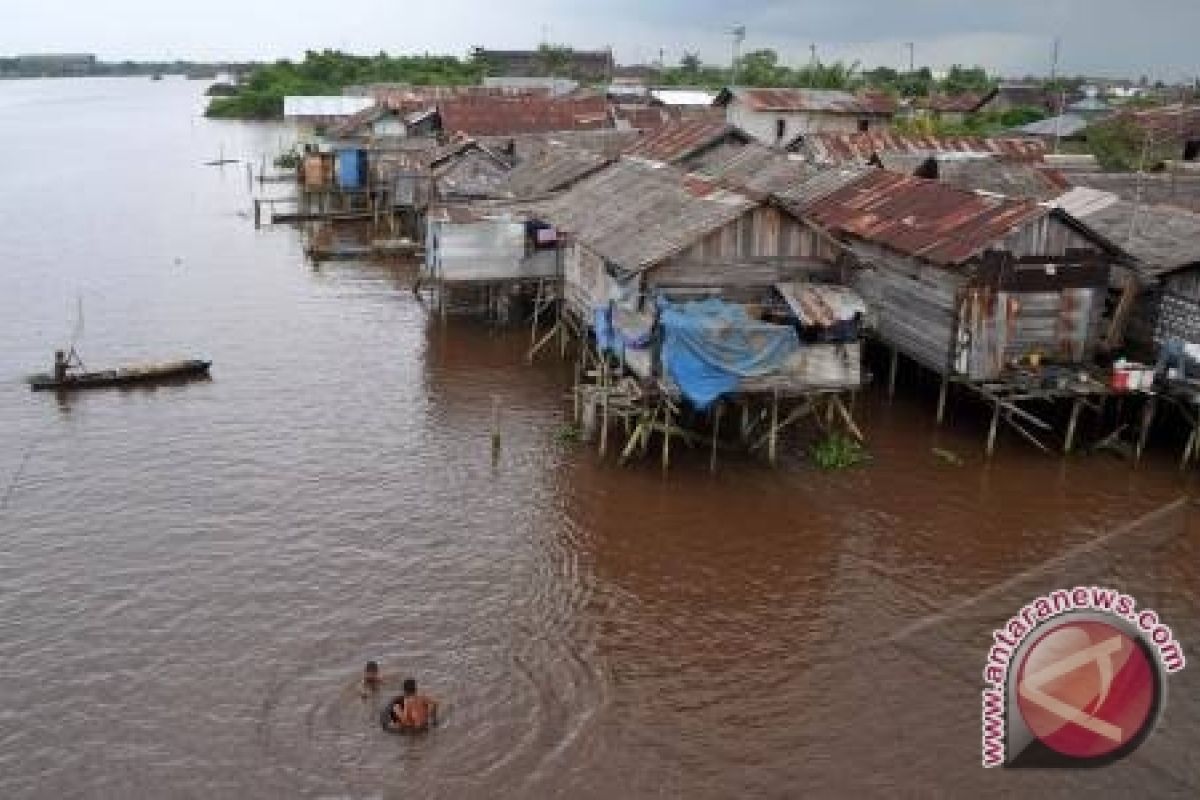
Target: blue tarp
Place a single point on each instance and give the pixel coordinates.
(351, 168)
(709, 346)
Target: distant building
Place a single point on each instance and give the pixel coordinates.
(1008, 96)
(779, 116)
(952, 108)
(589, 66)
(553, 86)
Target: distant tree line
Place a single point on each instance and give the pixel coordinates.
(74, 67)
(328, 72)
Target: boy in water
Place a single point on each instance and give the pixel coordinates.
(371, 679)
(417, 711)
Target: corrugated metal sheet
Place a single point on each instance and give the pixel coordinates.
(1162, 239)
(683, 97)
(1062, 126)
(503, 116)
(755, 168)
(843, 148)
(681, 140)
(921, 218)
(821, 184)
(830, 101)
(299, 106)
(474, 248)
(555, 168)
(1009, 179)
(821, 304)
(636, 215)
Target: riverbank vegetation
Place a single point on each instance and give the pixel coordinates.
(328, 72)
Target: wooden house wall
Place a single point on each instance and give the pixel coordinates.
(729, 253)
(935, 317)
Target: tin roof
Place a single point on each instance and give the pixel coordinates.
(920, 218)
(1062, 125)
(998, 177)
(503, 116)
(1163, 239)
(636, 215)
(683, 97)
(680, 140)
(831, 101)
(841, 148)
(821, 304)
(324, 107)
(755, 168)
(555, 167)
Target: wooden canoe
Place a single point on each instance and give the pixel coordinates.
(144, 373)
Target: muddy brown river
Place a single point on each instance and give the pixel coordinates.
(192, 576)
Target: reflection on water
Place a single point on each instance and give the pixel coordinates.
(193, 575)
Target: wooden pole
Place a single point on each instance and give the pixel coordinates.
(495, 430)
(1148, 412)
(941, 408)
(257, 213)
(892, 373)
(1069, 443)
(772, 445)
(991, 440)
(603, 406)
(575, 391)
(666, 447)
(712, 458)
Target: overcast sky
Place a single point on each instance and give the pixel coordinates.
(1114, 37)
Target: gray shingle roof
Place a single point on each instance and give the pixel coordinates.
(637, 215)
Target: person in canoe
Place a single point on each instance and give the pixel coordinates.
(62, 363)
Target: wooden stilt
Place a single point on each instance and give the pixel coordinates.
(666, 445)
(991, 440)
(495, 430)
(603, 407)
(1190, 445)
(773, 443)
(575, 391)
(895, 366)
(1069, 442)
(716, 432)
(941, 408)
(1148, 412)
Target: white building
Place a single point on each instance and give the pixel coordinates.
(779, 116)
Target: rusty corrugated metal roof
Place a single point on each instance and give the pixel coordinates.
(679, 140)
(844, 148)
(919, 217)
(503, 116)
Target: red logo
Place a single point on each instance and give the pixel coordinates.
(1087, 690)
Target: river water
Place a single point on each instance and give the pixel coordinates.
(192, 576)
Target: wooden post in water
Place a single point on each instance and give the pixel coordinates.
(495, 430)
(666, 446)
(941, 410)
(1072, 424)
(603, 405)
(892, 373)
(772, 445)
(257, 213)
(991, 440)
(1148, 412)
(575, 391)
(712, 458)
